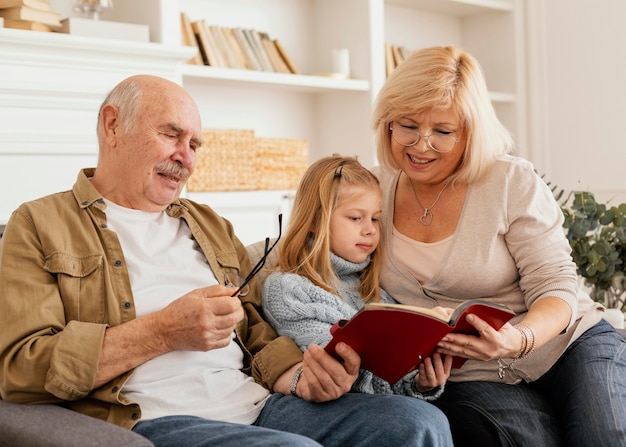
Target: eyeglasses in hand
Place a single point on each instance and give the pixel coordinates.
(257, 268)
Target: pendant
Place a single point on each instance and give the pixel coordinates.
(427, 218)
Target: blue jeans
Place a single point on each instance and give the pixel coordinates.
(353, 420)
(580, 401)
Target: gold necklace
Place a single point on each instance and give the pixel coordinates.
(427, 218)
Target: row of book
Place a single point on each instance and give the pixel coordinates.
(394, 56)
(245, 49)
(29, 14)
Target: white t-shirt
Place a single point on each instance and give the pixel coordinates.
(164, 263)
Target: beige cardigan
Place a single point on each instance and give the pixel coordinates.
(509, 247)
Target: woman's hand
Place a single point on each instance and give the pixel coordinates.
(491, 344)
(547, 318)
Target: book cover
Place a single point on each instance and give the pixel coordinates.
(36, 4)
(28, 25)
(206, 44)
(393, 339)
(31, 14)
(243, 63)
(249, 53)
(277, 61)
(390, 65)
(285, 56)
(189, 39)
(259, 50)
(228, 52)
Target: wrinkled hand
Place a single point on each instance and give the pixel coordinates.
(433, 372)
(324, 378)
(201, 320)
(489, 345)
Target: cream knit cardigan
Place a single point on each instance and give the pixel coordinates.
(509, 247)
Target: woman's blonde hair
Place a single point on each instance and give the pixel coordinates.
(443, 78)
(305, 249)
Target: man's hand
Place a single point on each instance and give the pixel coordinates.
(201, 320)
(323, 377)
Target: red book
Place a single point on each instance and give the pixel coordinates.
(393, 339)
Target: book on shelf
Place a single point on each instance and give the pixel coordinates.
(189, 39)
(206, 44)
(394, 339)
(228, 52)
(240, 48)
(26, 13)
(229, 34)
(398, 56)
(249, 53)
(259, 50)
(277, 61)
(28, 25)
(394, 56)
(36, 4)
(285, 56)
(389, 62)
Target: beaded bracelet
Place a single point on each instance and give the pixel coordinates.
(528, 340)
(294, 381)
(527, 347)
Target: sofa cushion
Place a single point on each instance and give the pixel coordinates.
(256, 251)
(52, 426)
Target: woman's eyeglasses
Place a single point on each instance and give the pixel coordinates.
(408, 136)
(243, 288)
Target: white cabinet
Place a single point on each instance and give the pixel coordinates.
(333, 114)
(51, 86)
(491, 30)
(254, 214)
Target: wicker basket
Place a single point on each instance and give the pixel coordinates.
(236, 160)
(226, 162)
(281, 162)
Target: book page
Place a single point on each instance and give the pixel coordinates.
(421, 310)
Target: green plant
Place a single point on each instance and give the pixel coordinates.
(597, 235)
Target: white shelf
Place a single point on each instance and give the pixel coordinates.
(295, 82)
(17, 41)
(455, 7)
(54, 83)
(502, 97)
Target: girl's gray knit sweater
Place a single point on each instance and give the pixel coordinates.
(300, 310)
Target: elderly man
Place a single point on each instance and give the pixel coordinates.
(116, 302)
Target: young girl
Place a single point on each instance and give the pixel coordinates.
(328, 268)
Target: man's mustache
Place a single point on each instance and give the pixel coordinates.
(174, 169)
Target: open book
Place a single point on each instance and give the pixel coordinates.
(393, 339)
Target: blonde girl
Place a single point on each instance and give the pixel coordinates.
(328, 268)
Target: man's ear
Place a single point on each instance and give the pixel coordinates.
(109, 117)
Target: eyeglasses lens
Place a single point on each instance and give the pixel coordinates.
(410, 137)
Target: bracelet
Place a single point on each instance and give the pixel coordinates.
(294, 381)
(528, 340)
(528, 346)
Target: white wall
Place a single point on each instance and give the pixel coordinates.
(577, 94)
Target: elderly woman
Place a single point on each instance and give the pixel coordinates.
(463, 219)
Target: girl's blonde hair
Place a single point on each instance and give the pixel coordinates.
(305, 249)
(443, 78)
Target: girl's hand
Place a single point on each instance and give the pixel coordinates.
(433, 372)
